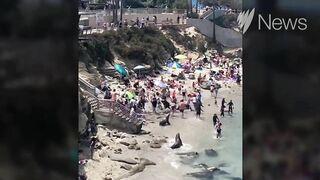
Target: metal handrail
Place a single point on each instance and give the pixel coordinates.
(114, 105)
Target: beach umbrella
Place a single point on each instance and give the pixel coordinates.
(140, 67)
(160, 84)
(130, 95)
(180, 57)
(176, 65)
(120, 69)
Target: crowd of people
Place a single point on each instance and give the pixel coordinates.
(172, 95)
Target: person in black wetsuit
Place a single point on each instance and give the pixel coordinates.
(222, 107)
(219, 130)
(222, 112)
(215, 119)
(230, 109)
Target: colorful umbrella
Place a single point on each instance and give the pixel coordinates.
(176, 65)
(120, 69)
(139, 67)
(130, 94)
(181, 56)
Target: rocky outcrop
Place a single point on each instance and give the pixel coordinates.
(157, 143)
(84, 109)
(130, 143)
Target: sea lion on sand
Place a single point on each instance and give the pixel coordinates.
(177, 143)
(165, 121)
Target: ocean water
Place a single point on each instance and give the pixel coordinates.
(229, 147)
(198, 135)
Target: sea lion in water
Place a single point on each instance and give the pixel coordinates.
(177, 143)
(165, 121)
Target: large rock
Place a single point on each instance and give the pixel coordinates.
(128, 142)
(155, 145)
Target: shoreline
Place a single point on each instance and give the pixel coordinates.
(164, 157)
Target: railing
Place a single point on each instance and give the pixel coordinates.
(134, 117)
(129, 11)
(110, 104)
(87, 86)
(106, 103)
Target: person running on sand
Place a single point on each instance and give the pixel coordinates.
(215, 119)
(218, 127)
(230, 109)
(184, 92)
(173, 107)
(182, 107)
(154, 103)
(212, 90)
(222, 111)
(238, 79)
(223, 102)
(179, 89)
(198, 108)
(216, 89)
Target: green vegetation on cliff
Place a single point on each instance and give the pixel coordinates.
(132, 45)
(194, 43)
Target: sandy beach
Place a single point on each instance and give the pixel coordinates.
(197, 135)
